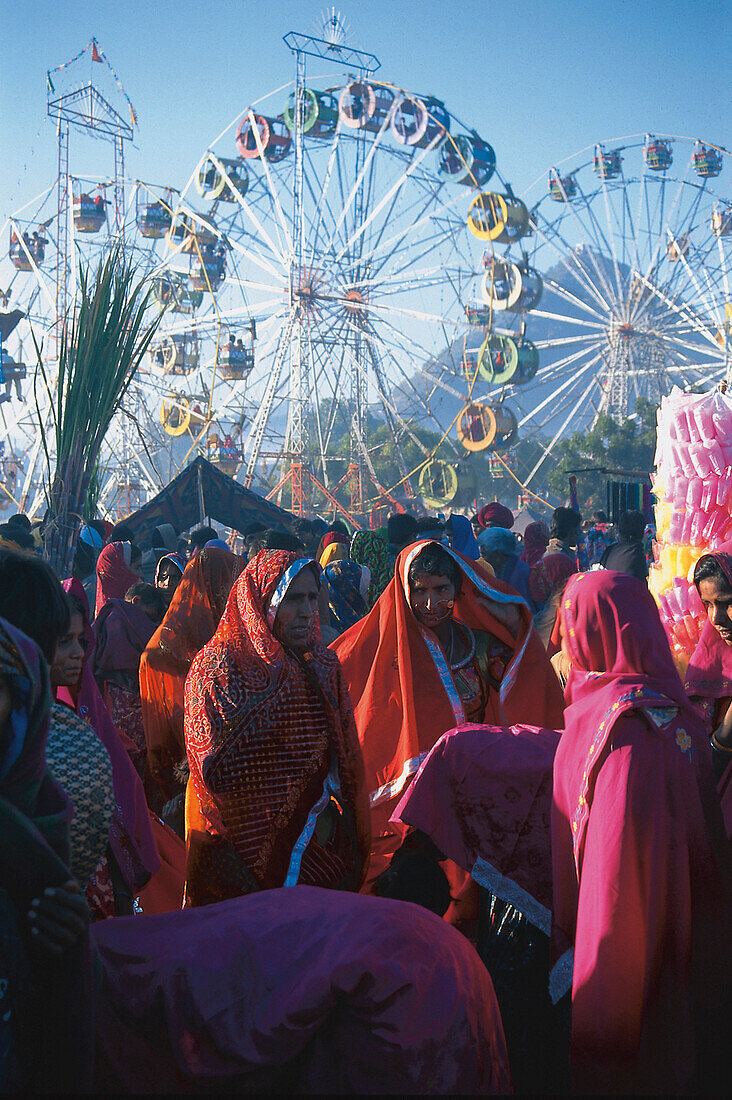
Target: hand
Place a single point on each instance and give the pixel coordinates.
(59, 918)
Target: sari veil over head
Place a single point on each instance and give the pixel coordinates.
(268, 732)
(114, 575)
(130, 835)
(709, 674)
(640, 870)
(190, 622)
(404, 697)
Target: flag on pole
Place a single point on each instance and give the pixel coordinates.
(49, 82)
(96, 56)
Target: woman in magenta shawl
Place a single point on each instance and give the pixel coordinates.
(709, 675)
(626, 862)
(116, 572)
(640, 864)
(122, 630)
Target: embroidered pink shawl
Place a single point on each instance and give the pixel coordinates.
(639, 865)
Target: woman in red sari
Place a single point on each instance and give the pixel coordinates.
(195, 609)
(709, 675)
(276, 794)
(641, 874)
(444, 644)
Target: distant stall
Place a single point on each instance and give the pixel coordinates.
(200, 493)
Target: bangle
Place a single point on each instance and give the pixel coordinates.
(716, 745)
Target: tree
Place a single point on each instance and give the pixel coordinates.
(626, 446)
(102, 344)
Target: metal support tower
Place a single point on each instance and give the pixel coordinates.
(87, 110)
(302, 477)
(119, 186)
(297, 432)
(62, 254)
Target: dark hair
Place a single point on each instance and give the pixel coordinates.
(255, 546)
(148, 595)
(200, 536)
(280, 540)
(84, 560)
(708, 568)
(15, 533)
(600, 516)
(401, 529)
(564, 522)
(32, 599)
(429, 524)
(632, 525)
(76, 607)
(435, 561)
(339, 527)
(20, 519)
(121, 532)
(252, 528)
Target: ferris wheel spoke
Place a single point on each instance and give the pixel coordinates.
(399, 239)
(569, 257)
(604, 246)
(586, 229)
(571, 382)
(560, 431)
(409, 250)
(287, 248)
(378, 342)
(572, 299)
(322, 201)
(563, 342)
(397, 186)
(349, 202)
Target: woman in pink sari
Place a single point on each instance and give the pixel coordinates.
(709, 675)
(641, 907)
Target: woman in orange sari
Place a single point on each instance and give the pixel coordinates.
(276, 795)
(189, 623)
(444, 644)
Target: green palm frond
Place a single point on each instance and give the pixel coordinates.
(101, 346)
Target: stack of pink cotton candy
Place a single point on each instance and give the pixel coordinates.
(693, 488)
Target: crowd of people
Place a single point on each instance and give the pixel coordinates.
(423, 808)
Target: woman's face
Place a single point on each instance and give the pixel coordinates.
(431, 598)
(716, 595)
(68, 660)
(295, 616)
(168, 580)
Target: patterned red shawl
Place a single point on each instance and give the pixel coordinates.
(271, 743)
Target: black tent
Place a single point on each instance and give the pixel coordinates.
(201, 491)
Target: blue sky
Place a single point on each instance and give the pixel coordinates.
(539, 79)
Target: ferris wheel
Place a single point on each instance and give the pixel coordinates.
(633, 241)
(335, 240)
